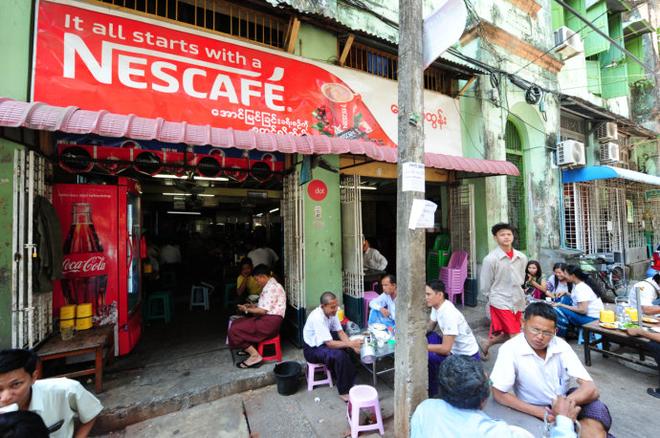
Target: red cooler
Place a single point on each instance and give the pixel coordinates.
(101, 226)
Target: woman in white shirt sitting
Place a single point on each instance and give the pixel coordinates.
(586, 304)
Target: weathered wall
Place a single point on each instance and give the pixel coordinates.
(15, 51)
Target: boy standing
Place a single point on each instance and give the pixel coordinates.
(501, 280)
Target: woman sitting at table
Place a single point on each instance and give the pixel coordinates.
(586, 305)
(557, 287)
(261, 322)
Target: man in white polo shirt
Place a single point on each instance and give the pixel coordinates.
(326, 343)
(538, 367)
(58, 401)
(457, 337)
(649, 295)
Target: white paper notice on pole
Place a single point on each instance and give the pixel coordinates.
(442, 29)
(412, 177)
(422, 214)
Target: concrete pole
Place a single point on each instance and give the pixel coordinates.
(411, 375)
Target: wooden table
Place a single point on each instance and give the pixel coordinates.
(616, 336)
(92, 341)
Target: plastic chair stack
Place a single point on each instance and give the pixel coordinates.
(454, 276)
(437, 257)
(363, 397)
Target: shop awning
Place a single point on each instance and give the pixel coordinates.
(73, 120)
(593, 173)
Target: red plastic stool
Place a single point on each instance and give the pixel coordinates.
(275, 342)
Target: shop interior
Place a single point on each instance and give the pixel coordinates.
(213, 216)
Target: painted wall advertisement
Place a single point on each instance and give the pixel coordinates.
(101, 59)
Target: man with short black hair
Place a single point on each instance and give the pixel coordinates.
(457, 337)
(325, 342)
(649, 295)
(464, 390)
(501, 280)
(57, 400)
(537, 366)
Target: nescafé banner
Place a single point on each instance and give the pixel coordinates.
(103, 59)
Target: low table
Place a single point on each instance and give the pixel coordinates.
(93, 341)
(380, 353)
(616, 336)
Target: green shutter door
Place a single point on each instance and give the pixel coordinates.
(596, 14)
(614, 81)
(557, 15)
(635, 71)
(515, 186)
(614, 55)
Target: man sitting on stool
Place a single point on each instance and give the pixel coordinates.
(326, 343)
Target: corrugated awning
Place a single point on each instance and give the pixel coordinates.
(593, 173)
(73, 120)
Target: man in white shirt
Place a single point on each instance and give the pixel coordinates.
(383, 308)
(649, 295)
(372, 259)
(457, 337)
(501, 279)
(535, 367)
(457, 412)
(325, 342)
(170, 254)
(58, 401)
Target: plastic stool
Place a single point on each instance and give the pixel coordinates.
(199, 297)
(594, 336)
(159, 306)
(275, 342)
(363, 397)
(311, 372)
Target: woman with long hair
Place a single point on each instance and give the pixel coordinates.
(586, 304)
(534, 283)
(559, 289)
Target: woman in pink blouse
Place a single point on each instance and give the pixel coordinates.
(261, 322)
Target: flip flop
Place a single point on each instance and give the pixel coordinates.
(244, 366)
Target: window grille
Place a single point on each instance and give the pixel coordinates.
(215, 15)
(461, 223)
(385, 64)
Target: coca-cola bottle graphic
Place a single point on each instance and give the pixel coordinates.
(84, 268)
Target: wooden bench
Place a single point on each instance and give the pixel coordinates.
(92, 341)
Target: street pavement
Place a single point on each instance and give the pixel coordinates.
(262, 412)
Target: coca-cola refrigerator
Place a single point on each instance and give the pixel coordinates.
(101, 265)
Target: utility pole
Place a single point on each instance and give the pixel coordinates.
(411, 375)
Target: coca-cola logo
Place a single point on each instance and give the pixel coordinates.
(84, 265)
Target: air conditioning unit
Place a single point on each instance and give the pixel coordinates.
(570, 153)
(568, 42)
(609, 152)
(607, 132)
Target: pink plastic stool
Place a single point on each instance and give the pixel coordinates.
(362, 397)
(368, 296)
(311, 370)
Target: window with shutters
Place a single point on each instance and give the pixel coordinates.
(515, 185)
(214, 15)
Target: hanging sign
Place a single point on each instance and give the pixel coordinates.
(102, 59)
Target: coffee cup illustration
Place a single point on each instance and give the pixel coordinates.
(341, 104)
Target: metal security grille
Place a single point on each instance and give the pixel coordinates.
(385, 64)
(31, 311)
(515, 186)
(214, 15)
(351, 236)
(294, 242)
(461, 223)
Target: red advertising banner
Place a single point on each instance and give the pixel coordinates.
(101, 59)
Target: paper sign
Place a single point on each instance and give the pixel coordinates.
(422, 214)
(412, 177)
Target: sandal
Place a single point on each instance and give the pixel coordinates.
(244, 366)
